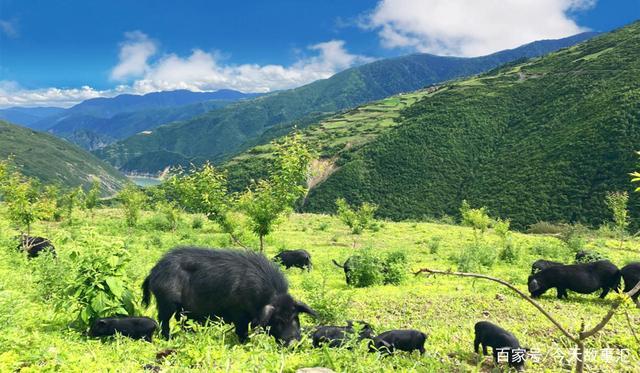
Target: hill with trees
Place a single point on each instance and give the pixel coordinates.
(221, 134)
(541, 140)
(55, 161)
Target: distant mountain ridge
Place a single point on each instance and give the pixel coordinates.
(100, 121)
(55, 161)
(26, 116)
(220, 134)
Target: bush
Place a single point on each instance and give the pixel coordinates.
(197, 222)
(395, 268)
(366, 269)
(549, 250)
(588, 256)
(543, 227)
(475, 258)
(509, 252)
(330, 305)
(99, 288)
(323, 226)
(434, 244)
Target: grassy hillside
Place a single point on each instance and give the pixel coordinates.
(55, 161)
(223, 133)
(37, 337)
(540, 140)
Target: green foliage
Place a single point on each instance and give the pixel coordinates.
(395, 268)
(357, 219)
(54, 161)
(509, 252)
(203, 190)
(331, 305)
(544, 227)
(72, 200)
(577, 107)
(93, 196)
(132, 200)
(475, 258)
(478, 219)
(617, 203)
(590, 256)
(25, 203)
(268, 200)
(168, 215)
(197, 222)
(366, 269)
(434, 244)
(100, 288)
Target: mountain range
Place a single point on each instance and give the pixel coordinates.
(541, 140)
(55, 161)
(220, 134)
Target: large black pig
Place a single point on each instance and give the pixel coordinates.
(240, 287)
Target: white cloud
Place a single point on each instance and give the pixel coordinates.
(135, 51)
(9, 28)
(201, 71)
(472, 27)
(140, 71)
(12, 94)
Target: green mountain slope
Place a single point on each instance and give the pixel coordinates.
(223, 133)
(55, 161)
(541, 140)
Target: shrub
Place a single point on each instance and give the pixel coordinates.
(395, 268)
(169, 216)
(357, 219)
(99, 288)
(475, 258)
(549, 250)
(543, 227)
(197, 222)
(590, 256)
(509, 252)
(366, 269)
(434, 244)
(330, 305)
(323, 226)
(133, 200)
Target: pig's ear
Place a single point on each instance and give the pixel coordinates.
(301, 307)
(265, 314)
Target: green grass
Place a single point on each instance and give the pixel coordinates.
(35, 337)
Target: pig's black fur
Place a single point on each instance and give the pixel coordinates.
(404, 340)
(240, 287)
(346, 267)
(491, 335)
(582, 278)
(337, 336)
(294, 258)
(133, 327)
(542, 264)
(34, 245)
(631, 275)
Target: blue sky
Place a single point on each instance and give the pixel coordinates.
(60, 52)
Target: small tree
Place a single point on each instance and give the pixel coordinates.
(133, 200)
(478, 219)
(617, 203)
(25, 204)
(267, 201)
(72, 200)
(202, 190)
(357, 219)
(93, 196)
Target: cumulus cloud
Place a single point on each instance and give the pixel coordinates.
(134, 54)
(12, 94)
(472, 27)
(141, 70)
(202, 71)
